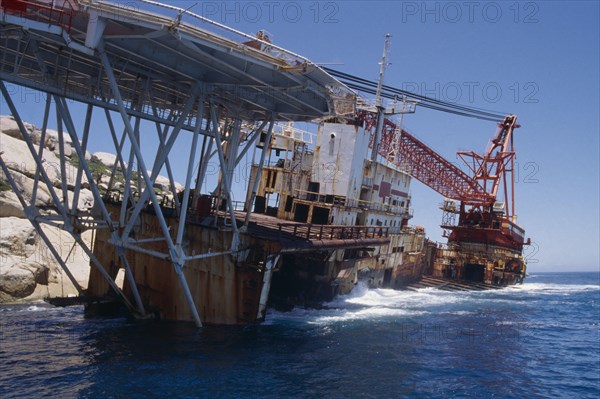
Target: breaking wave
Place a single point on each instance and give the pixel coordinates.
(554, 288)
(374, 304)
(387, 304)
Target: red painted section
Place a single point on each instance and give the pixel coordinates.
(14, 5)
(501, 238)
(399, 193)
(385, 189)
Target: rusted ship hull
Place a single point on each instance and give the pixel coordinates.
(225, 291)
(285, 265)
(480, 263)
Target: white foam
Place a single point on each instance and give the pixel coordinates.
(552, 288)
(36, 308)
(365, 314)
(380, 304)
(364, 304)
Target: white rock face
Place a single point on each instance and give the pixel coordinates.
(17, 157)
(25, 184)
(28, 270)
(9, 127)
(18, 278)
(10, 205)
(17, 237)
(163, 183)
(37, 275)
(52, 135)
(105, 158)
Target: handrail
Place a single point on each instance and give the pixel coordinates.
(352, 202)
(333, 232)
(31, 9)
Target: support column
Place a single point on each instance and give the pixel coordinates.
(63, 111)
(84, 141)
(36, 178)
(142, 167)
(259, 169)
(270, 264)
(33, 214)
(188, 180)
(227, 183)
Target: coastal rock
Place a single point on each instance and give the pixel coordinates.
(35, 274)
(68, 150)
(19, 279)
(17, 157)
(25, 184)
(104, 158)
(17, 237)
(53, 136)
(51, 142)
(10, 205)
(85, 200)
(9, 126)
(28, 270)
(163, 183)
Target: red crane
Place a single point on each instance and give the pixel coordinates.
(476, 191)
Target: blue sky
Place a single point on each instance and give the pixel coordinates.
(538, 60)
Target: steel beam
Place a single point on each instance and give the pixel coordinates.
(161, 155)
(36, 178)
(86, 133)
(270, 264)
(162, 136)
(251, 141)
(118, 149)
(62, 160)
(219, 140)
(142, 167)
(188, 180)
(206, 157)
(266, 149)
(63, 110)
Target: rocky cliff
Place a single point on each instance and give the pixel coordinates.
(28, 271)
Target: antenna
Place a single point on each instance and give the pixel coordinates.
(383, 64)
(378, 101)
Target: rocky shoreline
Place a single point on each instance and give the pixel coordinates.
(28, 271)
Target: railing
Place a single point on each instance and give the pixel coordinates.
(40, 12)
(294, 133)
(193, 19)
(117, 195)
(309, 231)
(351, 202)
(334, 232)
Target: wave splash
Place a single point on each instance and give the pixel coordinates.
(364, 303)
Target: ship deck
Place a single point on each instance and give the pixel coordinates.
(296, 236)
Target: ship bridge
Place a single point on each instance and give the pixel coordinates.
(180, 71)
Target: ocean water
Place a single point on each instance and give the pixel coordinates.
(538, 340)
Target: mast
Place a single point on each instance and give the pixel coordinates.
(378, 100)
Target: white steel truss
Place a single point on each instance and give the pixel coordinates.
(181, 79)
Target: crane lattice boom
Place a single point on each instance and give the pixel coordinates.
(424, 164)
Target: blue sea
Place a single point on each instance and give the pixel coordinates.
(538, 340)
